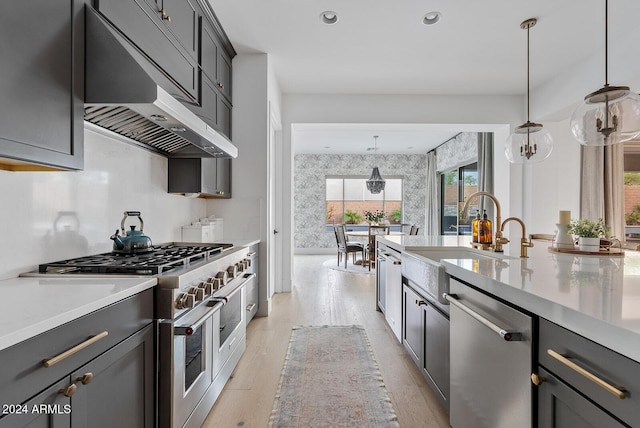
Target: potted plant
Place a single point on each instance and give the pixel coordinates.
(352, 217)
(588, 233)
(374, 217)
(396, 216)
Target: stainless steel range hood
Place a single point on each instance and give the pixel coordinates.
(123, 94)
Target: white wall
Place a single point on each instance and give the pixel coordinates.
(245, 215)
(50, 216)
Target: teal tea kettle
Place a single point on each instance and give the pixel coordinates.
(134, 241)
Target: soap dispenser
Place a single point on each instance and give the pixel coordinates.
(475, 225)
(485, 230)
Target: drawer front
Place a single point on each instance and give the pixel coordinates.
(601, 362)
(23, 372)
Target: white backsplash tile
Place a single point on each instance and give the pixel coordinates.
(48, 216)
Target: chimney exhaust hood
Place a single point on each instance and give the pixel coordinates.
(123, 95)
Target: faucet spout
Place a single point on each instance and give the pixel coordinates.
(524, 243)
(499, 239)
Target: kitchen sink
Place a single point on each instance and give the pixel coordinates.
(423, 266)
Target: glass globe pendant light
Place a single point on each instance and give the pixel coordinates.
(609, 115)
(529, 142)
(375, 184)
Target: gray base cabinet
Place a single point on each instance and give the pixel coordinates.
(110, 382)
(573, 371)
(426, 339)
(42, 85)
(560, 406)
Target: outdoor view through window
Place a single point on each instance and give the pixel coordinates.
(455, 187)
(347, 200)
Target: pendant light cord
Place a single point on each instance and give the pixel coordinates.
(606, 42)
(528, 98)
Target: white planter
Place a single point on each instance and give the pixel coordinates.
(591, 245)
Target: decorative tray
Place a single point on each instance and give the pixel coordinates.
(610, 252)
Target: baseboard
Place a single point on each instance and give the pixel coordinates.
(307, 251)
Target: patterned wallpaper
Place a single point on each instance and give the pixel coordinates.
(460, 151)
(309, 190)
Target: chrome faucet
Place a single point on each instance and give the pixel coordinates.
(524, 243)
(500, 240)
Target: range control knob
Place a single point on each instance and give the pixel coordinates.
(248, 262)
(190, 300)
(240, 266)
(232, 271)
(207, 286)
(197, 292)
(181, 301)
(222, 277)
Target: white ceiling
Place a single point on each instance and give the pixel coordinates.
(382, 47)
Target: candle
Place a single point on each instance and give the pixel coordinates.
(565, 217)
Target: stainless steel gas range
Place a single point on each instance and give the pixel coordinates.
(201, 314)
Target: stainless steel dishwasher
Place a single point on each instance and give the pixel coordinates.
(491, 361)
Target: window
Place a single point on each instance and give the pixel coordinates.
(455, 186)
(632, 191)
(347, 198)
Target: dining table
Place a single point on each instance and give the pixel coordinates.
(365, 234)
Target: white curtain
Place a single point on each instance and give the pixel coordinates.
(602, 186)
(485, 168)
(432, 205)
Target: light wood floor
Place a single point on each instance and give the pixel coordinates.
(321, 296)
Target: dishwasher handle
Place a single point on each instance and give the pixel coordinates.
(389, 258)
(508, 335)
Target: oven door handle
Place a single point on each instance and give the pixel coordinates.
(189, 328)
(246, 277)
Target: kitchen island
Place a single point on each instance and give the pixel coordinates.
(568, 324)
(597, 297)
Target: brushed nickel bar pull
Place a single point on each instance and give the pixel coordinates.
(508, 335)
(250, 307)
(618, 392)
(77, 348)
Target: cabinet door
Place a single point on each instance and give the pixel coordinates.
(223, 177)
(210, 51)
(117, 388)
(182, 18)
(562, 407)
(436, 351)
(224, 74)
(224, 117)
(42, 86)
(413, 321)
(49, 409)
(142, 24)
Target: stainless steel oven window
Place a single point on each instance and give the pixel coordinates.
(230, 316)
(194, 358)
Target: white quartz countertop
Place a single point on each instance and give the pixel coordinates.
(595, 296)
(31, 306)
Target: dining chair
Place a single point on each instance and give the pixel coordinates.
(345, 247)
(371, 247)
(414, 230)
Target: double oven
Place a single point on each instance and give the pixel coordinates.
(201, 316)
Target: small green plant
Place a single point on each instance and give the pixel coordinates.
(633, 218)
(352, 217)
(396, 216)
(374, 216)
(588, 229)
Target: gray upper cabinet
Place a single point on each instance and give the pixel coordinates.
(42, 85)
(168, 39)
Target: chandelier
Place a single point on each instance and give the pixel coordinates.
(376, 183)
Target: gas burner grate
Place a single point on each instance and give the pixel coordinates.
(161, 259)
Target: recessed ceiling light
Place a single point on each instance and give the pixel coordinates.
(431, 18)
(328, 17)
